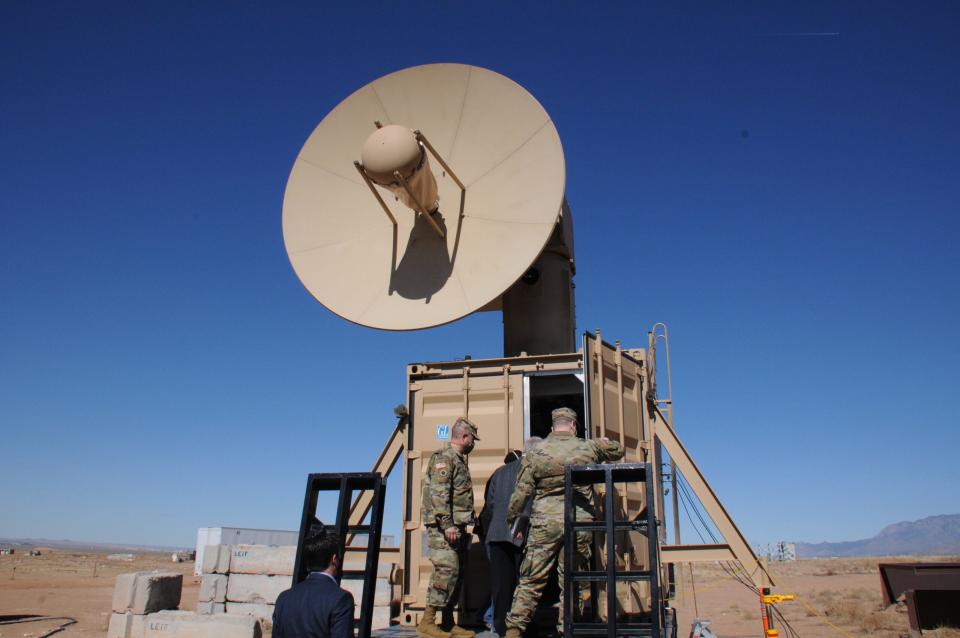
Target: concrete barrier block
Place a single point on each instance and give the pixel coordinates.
(262, 611)
(186, 624)
(213, 588)
(380, 618)
(210, 608)
(127, 625)
(146, 592)
(216, 559)
(262, 559)
(252, 588)
(382, 595)
(383, 569)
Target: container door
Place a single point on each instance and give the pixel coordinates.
(494, 403)
(616, 408)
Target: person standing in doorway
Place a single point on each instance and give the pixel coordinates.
(542, 476)
(504, 547)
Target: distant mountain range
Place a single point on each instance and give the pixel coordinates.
(932, 536)
(83, 545)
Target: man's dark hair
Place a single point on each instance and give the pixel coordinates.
(319, 548)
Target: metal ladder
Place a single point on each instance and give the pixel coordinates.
(346, 484)
(650, 624)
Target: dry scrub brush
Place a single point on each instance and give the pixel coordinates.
(859, 608)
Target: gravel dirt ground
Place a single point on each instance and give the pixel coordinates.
(836, 598)
(74, 584)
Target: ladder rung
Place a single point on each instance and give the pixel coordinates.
(353, 575)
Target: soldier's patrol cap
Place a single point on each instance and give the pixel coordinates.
(468, 425)
(564, 413)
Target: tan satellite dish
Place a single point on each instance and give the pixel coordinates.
(356, 231)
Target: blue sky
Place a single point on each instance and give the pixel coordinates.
(786, 202)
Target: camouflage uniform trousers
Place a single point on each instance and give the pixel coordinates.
(446, 560)
(544, 549)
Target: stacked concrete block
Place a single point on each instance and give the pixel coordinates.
(213, 588)
(261, 611)
(382, 597)
(247, 579)
(256, 588)
(137, 594)
(185, 624)
(146, 592)
(213, 594)
(210, 607)
(259, 559)
(126, 625)
(384, 570)
(182, 624)
(216, 559)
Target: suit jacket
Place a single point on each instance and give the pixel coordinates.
(314, 608)
(494, 515)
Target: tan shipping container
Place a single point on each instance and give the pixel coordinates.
(511, 399)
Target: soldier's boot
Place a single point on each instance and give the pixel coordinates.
(456, 631)
(460, 632)
(513, 632)
(428, 624)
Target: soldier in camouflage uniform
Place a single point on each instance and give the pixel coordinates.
(542, 476)
(447, 504)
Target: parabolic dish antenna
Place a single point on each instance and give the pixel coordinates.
(375, 260)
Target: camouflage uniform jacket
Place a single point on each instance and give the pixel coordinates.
(447, 490)
(542, 474)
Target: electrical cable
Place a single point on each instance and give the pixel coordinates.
(69, 621)
(693, 588)
(686, 499)
(696, 606)
(726, 566)
(733, 569)
(783, 621)
(683, 501)
(684, 490)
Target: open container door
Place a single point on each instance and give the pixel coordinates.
(615, 400)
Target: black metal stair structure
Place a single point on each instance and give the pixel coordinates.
(650, 624)
(348, 486)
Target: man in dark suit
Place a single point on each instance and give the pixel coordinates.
(504, 546)
(316, 607)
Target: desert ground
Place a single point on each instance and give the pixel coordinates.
(79, 585)
(836, 598)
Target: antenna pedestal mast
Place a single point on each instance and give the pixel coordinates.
(539, 311)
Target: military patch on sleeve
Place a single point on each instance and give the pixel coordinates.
(442, 474)
(439, 465)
